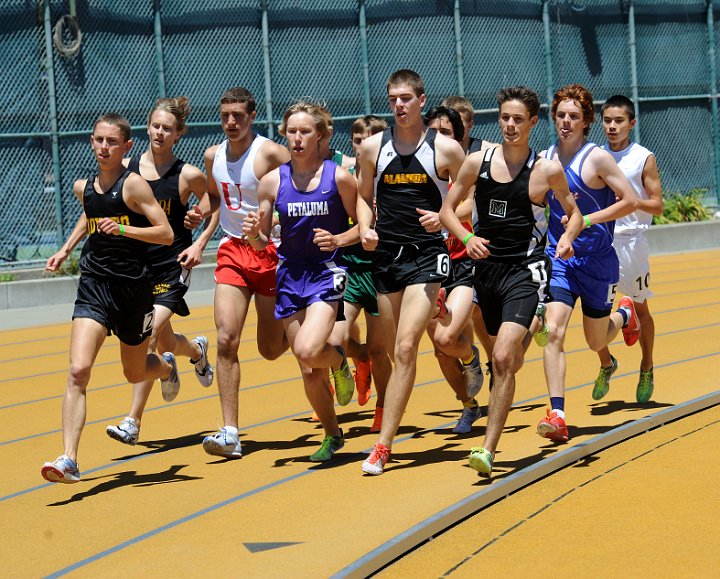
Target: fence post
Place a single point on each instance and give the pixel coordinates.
(633, 69)
(714, 95)
(159, 62)
(54, 138)
(459, 50)
(548, 68)
(266, 67)
(364, 59)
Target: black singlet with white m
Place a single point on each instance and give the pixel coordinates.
(112, 257)
(515, 226)
(404, 183)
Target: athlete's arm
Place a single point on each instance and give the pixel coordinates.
(626, 200)
(139, 197)
(555, 179)
(347, 188)
(369, 150)
(466, 179)
(76, 235)
(211, 186)
(192, 180)
(270, 156)
(257, 226)
(651, 181)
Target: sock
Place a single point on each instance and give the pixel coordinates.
(470, 359)
(558, 403)
(625, 313)
(472, 403)
(232, 430)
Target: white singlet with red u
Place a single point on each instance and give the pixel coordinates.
(237, 185)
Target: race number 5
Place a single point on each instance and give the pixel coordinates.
(612, 290)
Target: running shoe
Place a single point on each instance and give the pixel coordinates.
(473, 374)
(171, 385)
(481, 460)
(363, 379)
(602, 382)
(203, 368)
(377, 419)
(375, 463)
(631, 330)
(467, 418)
(62, 470)
(223, 443)
(344, 383)
(330, 445)
(542, 335)
(645, 386)
(126, 432)
(553, 427)
(443, 310)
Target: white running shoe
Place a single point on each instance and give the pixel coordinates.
(126, 432)
(203, 368)
(171, 386)
(62, 470)
(223, 443)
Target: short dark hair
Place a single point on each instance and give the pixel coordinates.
(117, 120)
(525, 95)
(620, 101)
(451, 115)
(238, 94)
(408, 77)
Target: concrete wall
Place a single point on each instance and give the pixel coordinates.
(673, 238)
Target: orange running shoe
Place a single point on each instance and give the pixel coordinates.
(631, 330)
(443, 310)
(377, 421)
(363, 379)
(553, 427)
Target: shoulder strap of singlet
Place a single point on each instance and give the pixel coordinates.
(549, 152)
(487, 158)
(134, 165)
(475, 145)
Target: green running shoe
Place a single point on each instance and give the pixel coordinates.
(330, 445)
(645, 386)
(344, 381)
(542, 335)
(481, 460)
(602, 382)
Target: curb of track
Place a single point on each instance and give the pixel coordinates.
(443, 520)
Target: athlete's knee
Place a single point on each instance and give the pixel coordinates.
(228, 342)
(273, 350)
(134, 374)
(406, 352)
(79, 376)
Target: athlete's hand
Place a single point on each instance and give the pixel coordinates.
(564, 221)
(190, 257)
(325, 240)
(108, 226)
(193, 218)
(430, 220)
(564, 249)
(477, 248)
(369, 240)
(251, 225)
(56, 260)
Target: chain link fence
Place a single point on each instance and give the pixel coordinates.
(67, 61)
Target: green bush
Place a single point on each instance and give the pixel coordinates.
(7, 277)
(683, 207)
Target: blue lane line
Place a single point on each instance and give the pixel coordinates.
(275, 484)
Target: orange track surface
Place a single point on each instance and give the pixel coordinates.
(164, 507)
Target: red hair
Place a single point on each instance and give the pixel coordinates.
(580, 95)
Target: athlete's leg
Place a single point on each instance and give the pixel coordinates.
(231, 307)
(451, 339)
(599, 332)
(86, 338)
(377, 350)
(412, 308)
(557, 317)
(507, 360)
(486, 340)
(271, 339)
(647, 335)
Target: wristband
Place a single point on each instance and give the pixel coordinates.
(587, 221)
(467, 238)
(257, 237)
(276, 215)
(122, 228)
